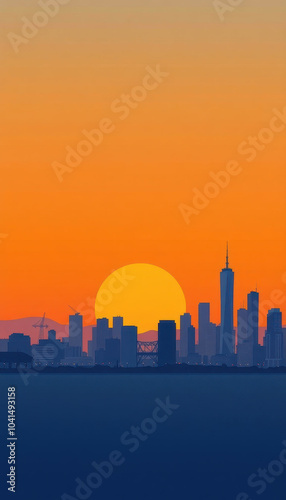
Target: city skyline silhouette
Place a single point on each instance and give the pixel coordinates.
(120, 345)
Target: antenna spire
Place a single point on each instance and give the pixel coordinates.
(227, 262)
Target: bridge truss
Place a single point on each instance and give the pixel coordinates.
(147, 353)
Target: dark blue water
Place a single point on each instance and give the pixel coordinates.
(225, 429)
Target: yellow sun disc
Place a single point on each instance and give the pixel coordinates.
(143, 294)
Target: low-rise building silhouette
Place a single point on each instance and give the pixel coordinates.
(19, 342)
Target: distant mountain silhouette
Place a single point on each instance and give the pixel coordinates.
(25, 325)
(149, 336)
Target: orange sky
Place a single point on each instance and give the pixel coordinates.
(121, 204)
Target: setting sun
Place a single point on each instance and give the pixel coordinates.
(132, 291)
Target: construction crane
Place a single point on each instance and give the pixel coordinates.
(74, 310)
(41, 325)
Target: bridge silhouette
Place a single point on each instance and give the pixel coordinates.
(147, 351)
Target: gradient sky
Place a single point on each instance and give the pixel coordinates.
(121, 205)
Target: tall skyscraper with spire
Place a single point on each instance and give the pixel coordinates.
(227, 334)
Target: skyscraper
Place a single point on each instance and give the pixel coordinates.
(117, 325)
(185, 323)
(92, 343)
(191, 340)
(75, 335)
(244, 348)
(128, 346)
(207, 332)
(112, 352)
(166, 343)
(253, 317)
(274, 338)
(227, 334)
(248, 349)
(103, 332)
